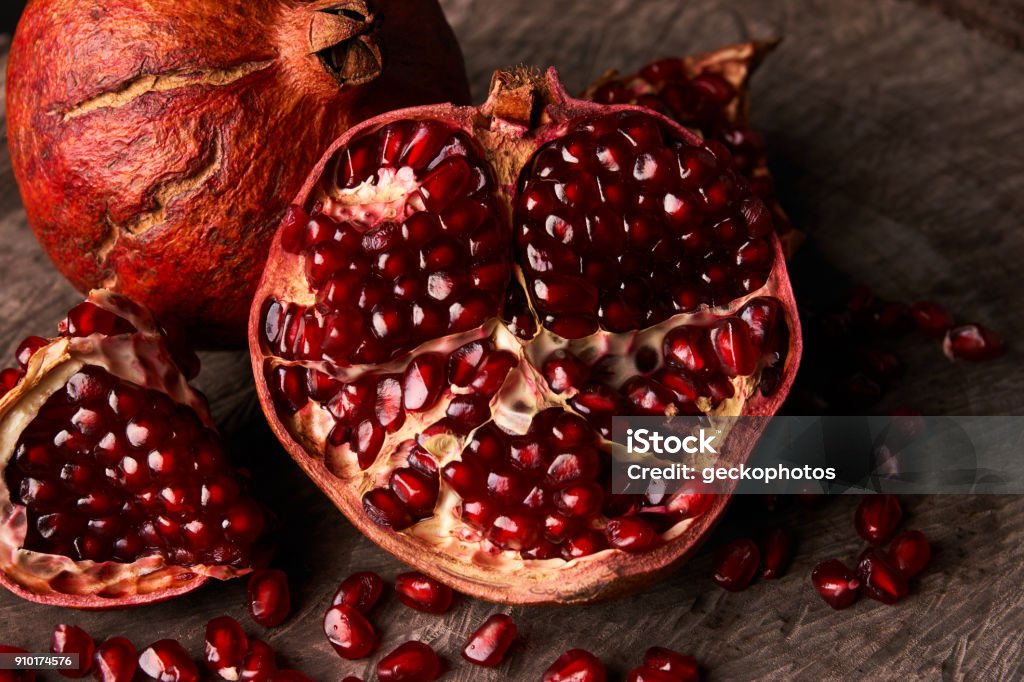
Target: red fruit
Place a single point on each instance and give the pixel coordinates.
(183, 222)
(736, 564)
(410, 662)
(226, 647)
(836, 584)
(776, 546)
(259, 664)
(877, 518)
(360, 591)
(910, 552)
(115, 660)
(15, 675)
(423, 593)
(71, 639)
(879, 578)
(168, 661)
(349, 632)
(489, 644)
(679, 666)
(269, 597)
(622, 227)
(576, 665)
(124, 492)
(931, 318)
(974, 342)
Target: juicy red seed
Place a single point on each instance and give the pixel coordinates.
(579, 499)
(877, 518)
(259, 664)
(9, 378)
(465, 477)
(349, 632)
(167, 661)
(630, 534)
(417, 491)
(974, 342)
(931, 318)
(514, 530)
(71, 639)
(583, 544)
(478, 513)
(292, 227)
(687, 348)
(736, 563)
(423, 593)
(360, 591)
(87, 318)
(680, 666)
(269, 597)
(880, 580)
(410, 662)
(385, 509)
(776, 545)
(645, 674)
(27, 348)
(115, 660)
(837, 584)
(576, 665)
(731, 341)
(226, 646)
(423, 381)
(366, 441)
(910, 552)
(488, 645)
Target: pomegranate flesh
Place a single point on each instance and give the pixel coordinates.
(115, 489)
(459, 301)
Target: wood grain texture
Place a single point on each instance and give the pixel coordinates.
(897, 137)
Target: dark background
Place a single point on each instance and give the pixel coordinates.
(896, 133)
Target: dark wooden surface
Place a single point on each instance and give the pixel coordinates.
(897, 134)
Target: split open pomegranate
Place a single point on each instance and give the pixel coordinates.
(459, 301)
(115, 489)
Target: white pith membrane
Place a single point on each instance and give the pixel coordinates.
(523, 394)
(141, 358)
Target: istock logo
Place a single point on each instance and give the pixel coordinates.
(643, 441)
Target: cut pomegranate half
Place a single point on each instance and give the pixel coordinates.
(115, 488)
(461, 299)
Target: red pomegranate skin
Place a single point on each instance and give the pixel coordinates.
(156, 143)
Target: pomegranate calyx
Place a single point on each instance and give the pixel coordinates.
(343, 37)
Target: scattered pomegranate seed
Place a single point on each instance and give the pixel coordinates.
(576, 665)
(877, 517)
(410, 662)
(423, 593)
(349, 632)
(269, 597)
(167, 661)
(15, 675)
(836, 583)
(360, 591)
(630, 534)
(776, 545)
(910, 552)
(489, 644)
(736, 563)
(115, 660)
(681, 667)
(226, 647)
(931, 318)
(972, 342)
(880, 580)
(71, 639)
(260, 664)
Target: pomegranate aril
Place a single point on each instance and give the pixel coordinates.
(259, 664)
(735, 564)
(87, 318)
(115, 660)
(423, 593)
(583, 544)
(576, 665)
(514, 530)
(931, 318)
(488, 645)
(410, 662)
(910, 552)
(776, 545)
(630, 534)
(349, 632)
(168, 661)
(415, 490)
(27, 348)
(385, 509)
(360, 591)
(837, 584)
(579, 500)
(269, 597)
(973, 342)
(877, 517)
(679, 666)
(880, 579)
(226, 646)
(423, 381)
(71, 639)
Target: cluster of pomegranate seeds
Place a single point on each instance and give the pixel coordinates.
(109, 470)
(269, 597)
(71, 639)
(576, 665)
(490, 642)
(410, 662)
(423, 593)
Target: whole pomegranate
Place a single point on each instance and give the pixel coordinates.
(115, 489)
(461, 299)
(156, 143)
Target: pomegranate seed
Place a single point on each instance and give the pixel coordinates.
(15, 675)
(349, 632)
(877, 517)
(489, 644)
(836, 583)
(27, 348)
(731, 341)
(410, 662)
(360, 591)
(736, 564)
(226, 646)
(513, 530)
(423, 593)
(910, 552)
(776, 545)
(385, 509)
(259, 664)
(71, 639)
(681, 667)
(269, 597)
(972, 342)
(168, 661)
(880, 579)
(645, 674)
(564, 371)
(115, 660)
(630, 534)
(931, 318)
(576, 665)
